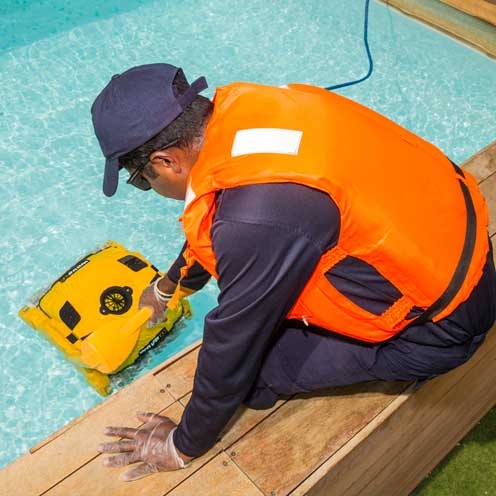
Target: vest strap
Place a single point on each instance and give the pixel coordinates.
(463, 264)
(332, 257)
(397, 312)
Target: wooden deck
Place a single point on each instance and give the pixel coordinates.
(472, 21)
(372, 439)
(483, 9)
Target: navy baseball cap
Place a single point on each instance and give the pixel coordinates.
(134, 107)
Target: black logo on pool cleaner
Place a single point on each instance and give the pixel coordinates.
(161, 335)
(73, 269)
(116, 300)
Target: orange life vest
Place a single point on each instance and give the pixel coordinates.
(405, 208)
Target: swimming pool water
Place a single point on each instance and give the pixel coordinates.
(55, 56)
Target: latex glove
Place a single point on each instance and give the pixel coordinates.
(151, 444)
(158, 306)
(154, 299)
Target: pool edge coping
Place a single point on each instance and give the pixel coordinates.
(475, 32)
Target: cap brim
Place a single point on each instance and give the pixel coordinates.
(111, 176)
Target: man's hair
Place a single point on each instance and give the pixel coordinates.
(184, 128)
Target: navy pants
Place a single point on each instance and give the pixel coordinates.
(306, 359)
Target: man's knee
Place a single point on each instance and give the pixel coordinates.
(261, 398)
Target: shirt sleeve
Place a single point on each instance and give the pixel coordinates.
(265, 256)
(197, 276)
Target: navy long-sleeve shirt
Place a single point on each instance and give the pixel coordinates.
(267, 240)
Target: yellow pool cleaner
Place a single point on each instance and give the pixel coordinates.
(91, 313)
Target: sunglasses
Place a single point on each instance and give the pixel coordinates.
(136, 178)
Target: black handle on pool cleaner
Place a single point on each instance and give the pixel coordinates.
(371, 62)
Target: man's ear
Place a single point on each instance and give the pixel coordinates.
(171, 158)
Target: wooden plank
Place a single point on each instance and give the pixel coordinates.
(469, 29)
(488, 189)
(441, 441)
(178, 377)
(477, 8)
(242, 421)
(448, 420)
(305, 431)
(94, 479)
(219, 477)
(76, 444)
(399, 447)
(483, 163)
(175, 358)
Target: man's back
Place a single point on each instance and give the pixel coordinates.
(267, 239)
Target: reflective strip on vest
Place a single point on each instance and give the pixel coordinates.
(266, 140)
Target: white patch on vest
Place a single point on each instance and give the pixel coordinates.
(190, 196)
(284, 87)
(266, 140)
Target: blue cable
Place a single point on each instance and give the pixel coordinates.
(371, 62)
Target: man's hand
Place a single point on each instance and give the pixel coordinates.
(152, 298)
(157, 295)
(151, 444)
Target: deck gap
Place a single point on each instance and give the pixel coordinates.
(69, 474)
(190, 475)
(245, 474)
(175, 358)
(257, 424)
(486, 178)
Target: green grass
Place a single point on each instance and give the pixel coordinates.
(470, 468)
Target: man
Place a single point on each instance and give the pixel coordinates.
(346, 248)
